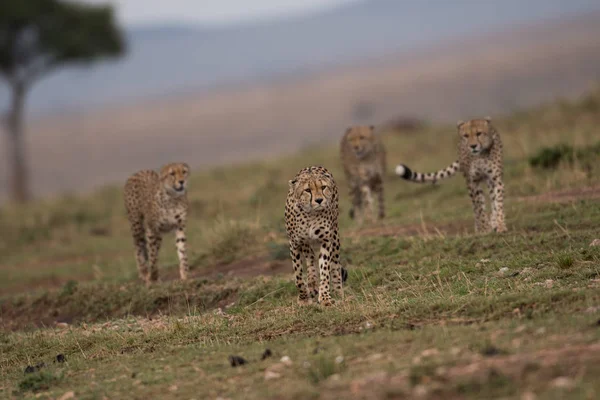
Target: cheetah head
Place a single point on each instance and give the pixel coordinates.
(174, 178)
(476, 134)
(313, 193)
(361, 139)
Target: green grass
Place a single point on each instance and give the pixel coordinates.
(430, 309)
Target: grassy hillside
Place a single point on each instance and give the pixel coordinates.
(431, 309)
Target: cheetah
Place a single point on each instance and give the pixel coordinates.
(479, 159)
(363, 158)
(311, 219)
(156, 204)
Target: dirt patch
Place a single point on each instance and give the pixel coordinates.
(565, 195)
(558, 368)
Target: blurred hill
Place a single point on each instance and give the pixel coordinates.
(481, 66)
(175, 58)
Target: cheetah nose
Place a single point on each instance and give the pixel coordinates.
(181, 182)
(319, 200)
(473, 146)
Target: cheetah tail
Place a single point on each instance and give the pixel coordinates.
(406, 173)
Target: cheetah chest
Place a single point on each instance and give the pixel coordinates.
(368, 171)
(480, 169)
(313, 231)
(169, 219)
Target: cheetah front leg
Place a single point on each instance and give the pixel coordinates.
(478, 199)
(324, 275)
(378, 188)
(356, 207)
(154, 242)
(367, 201)
(313, 281)
(336, 270)
(296, 254)
(180, 244)
(496, 187)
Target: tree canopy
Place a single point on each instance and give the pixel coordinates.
(37, 36)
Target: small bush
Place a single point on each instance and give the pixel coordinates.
(278, 251)
(565, 261)
(37, 381)
(322, 368)
(552, 157)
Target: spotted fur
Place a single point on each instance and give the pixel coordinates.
(311, 219)
(363, 159)
(480, 160)
(156, 204)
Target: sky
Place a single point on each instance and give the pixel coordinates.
(214, 12)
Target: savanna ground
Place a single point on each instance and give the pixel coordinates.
(431, 310)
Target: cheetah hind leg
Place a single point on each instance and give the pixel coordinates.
(296, 254)
(313, 279)
(154, 242)
(141, 248)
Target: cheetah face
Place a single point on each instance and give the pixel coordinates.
(476, 135)
(174, 178)
(313, 194)
(361, 140)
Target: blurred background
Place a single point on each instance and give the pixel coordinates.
(221, 82)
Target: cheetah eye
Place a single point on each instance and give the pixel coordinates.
(307, 190)
(323, 187)
(466, 136)
(172, 173)
(479, 134)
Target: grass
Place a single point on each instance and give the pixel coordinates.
(431, 310)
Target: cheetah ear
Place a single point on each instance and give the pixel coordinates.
(488, 119)
(460, 123)
(292, 182)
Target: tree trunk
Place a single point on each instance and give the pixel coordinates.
(19, 177)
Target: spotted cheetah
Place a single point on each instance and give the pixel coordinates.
(363, 158)
(479, 159)
(311, 219)
(156, 204)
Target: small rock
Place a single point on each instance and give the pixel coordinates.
(375, 357)
(430, 352)
(266, 354)
(490, 351)
(334, 378)
(173, 388)
(368, 325)
(67, 396)
(62, 325)
(339, 359)
(286, 360)
(528, 396)
(270, 375)
(237, 361)
(60, 358)
(549, 283)
(540, 331)
(595, 242)
(29, 369)
(563, 382)
(503, 271)
(420, 391)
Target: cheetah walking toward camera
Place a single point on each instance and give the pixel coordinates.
(363, 158)
(156, 204)
(311, 219)
(480, 160)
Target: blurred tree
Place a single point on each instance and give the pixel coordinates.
(37, 37)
